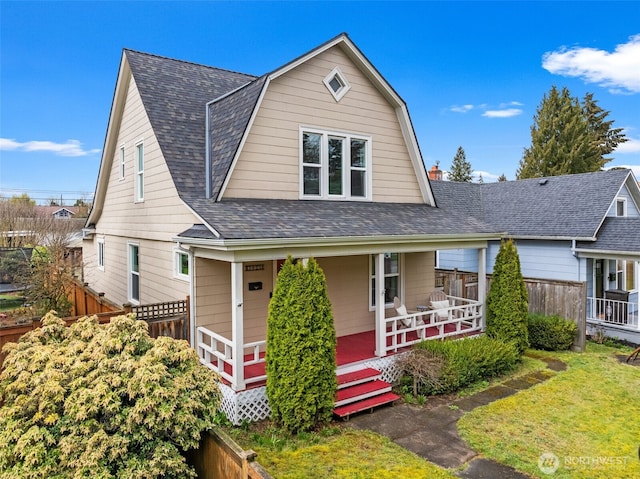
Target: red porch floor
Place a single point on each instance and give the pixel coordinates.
(352, 348)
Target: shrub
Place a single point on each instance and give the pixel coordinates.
(551, 333)
(469, 360)
(507, 301)
(301, 348)
(101, 401)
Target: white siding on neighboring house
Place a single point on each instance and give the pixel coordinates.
(631, 209)
(269, 166)
(462, 259)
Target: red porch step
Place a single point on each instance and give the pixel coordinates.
(369, 403)
(358, 377)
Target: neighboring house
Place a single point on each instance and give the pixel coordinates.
(58, 212)
(583, 227)
(210, 178)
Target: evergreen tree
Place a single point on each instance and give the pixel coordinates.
(301, 356)
(507, 301)
(502, 178)
(480, 178)
(567, 137)
(608, 138)
(460, 168)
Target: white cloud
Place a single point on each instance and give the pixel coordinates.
(632, 145)
(461, 108)
(69, 148)
(617, 70)
(506, 113)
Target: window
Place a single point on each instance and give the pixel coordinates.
(140, 171)
(181, 265)
(621, 207)
(630, 272)
(337, 84)
(101, 254)
(122, 162)
(391, 278)
(335, 165)
(134, 273)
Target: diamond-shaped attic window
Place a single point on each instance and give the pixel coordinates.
(337, 84)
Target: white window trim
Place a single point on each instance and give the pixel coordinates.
(177, 252)
(130, 272)
(139, 195)
(336, 72)
(324, 165)
(122, 162)
(100, 253)
(390, 305)
(624, 206)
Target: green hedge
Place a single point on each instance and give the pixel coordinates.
(470, 360)
(551, 333)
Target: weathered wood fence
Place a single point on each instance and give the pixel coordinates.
(567, 299)
(164, 319)
(219, 457)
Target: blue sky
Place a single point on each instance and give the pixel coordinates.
(472, 73)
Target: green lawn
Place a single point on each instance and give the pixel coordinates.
(10, 301)
(586, 417)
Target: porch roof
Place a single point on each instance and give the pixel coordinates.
(619, 236)
(248, 219)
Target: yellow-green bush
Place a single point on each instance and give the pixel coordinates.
(101, 402)
(551, 333)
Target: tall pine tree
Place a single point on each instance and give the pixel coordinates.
(460, 168)
(568, 137)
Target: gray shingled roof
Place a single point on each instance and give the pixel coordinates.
(229, 118)
(175, 94)
(258, 219)
(617, 234)
(570, 206)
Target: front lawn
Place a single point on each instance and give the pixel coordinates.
(583, 420)
(334, 453)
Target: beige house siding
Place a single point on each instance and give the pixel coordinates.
(152, 223)
(268, 166)
(419, 278)
(348, 284)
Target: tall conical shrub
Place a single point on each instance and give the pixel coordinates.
(508, 301)
(301, 348)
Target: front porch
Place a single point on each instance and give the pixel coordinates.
(243, 387)
(616, 318)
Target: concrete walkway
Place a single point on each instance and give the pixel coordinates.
(433, 435)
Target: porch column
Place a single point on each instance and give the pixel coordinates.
(381, 340)
(237, 327)
(482, 285)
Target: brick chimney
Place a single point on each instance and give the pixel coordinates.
(435, 173)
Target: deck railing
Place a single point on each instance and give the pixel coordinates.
(614, 312)
(464, 317)
(217, 353)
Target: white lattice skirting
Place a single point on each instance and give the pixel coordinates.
(252, 404)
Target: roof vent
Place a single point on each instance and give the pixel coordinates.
(543, 181)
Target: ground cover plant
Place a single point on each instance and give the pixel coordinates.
(101, 402)
(334, 453)
(586, 417)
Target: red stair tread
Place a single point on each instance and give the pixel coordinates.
(358, 375)
(368, 403)
(362, 389)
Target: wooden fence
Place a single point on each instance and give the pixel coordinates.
(219, 457)
(567, 299)
(86, 302)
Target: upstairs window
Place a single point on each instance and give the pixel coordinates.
(621, 207)
(139, 160)
(122, 162)
(335, 165)
(337, 84)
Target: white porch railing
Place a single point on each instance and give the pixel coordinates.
(611, 311)
(465, 317)
(216, 351)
